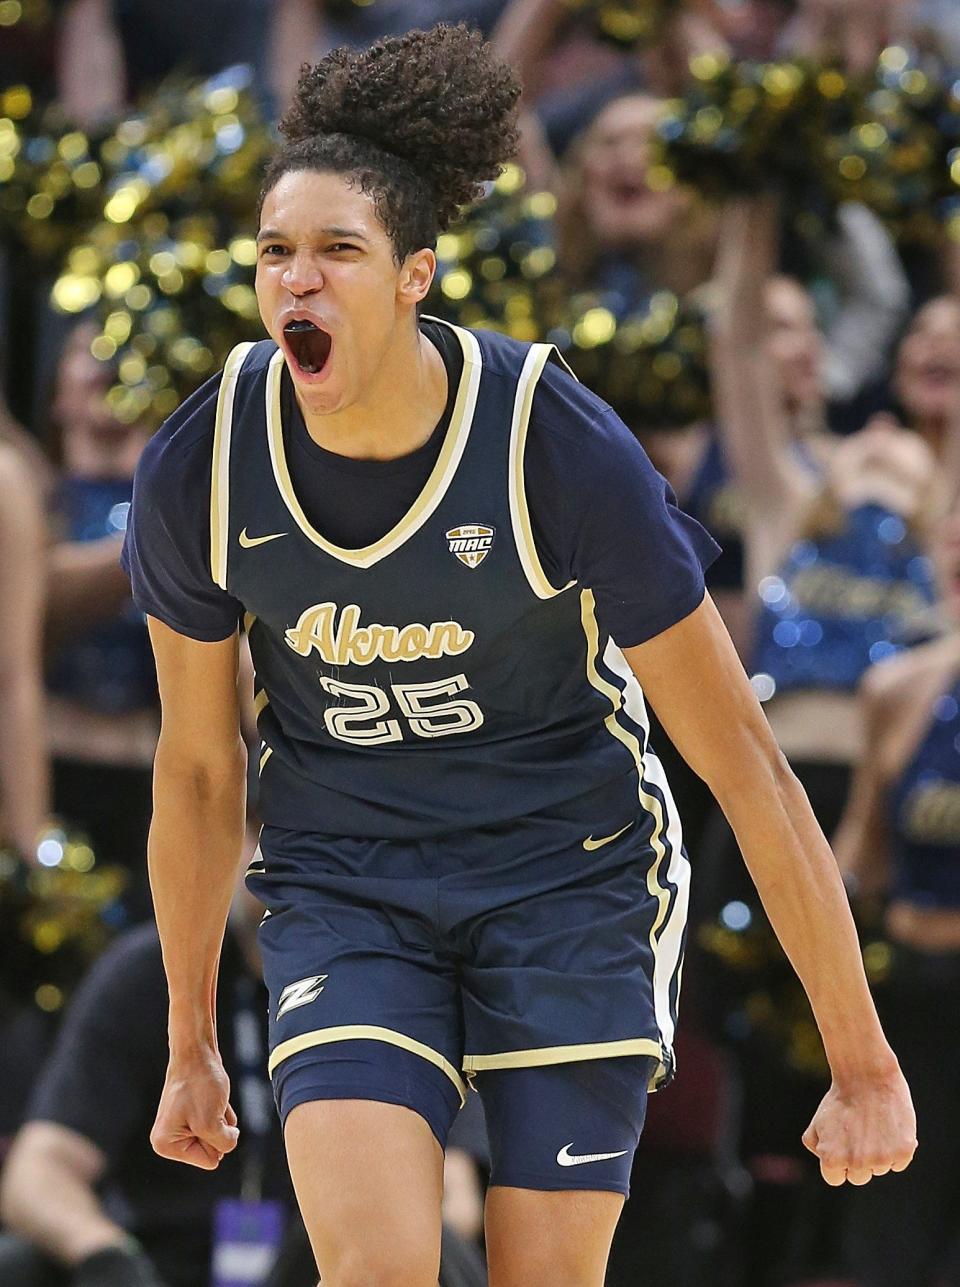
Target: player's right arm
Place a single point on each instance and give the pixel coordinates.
(194, 854)
(196, 835)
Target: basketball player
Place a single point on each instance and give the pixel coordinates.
(471, 858)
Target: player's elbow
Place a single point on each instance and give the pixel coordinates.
(204, 773)
(757, 770)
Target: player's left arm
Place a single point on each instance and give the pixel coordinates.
(694, 680)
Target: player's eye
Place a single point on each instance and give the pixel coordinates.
(343, 245)
(272, 248)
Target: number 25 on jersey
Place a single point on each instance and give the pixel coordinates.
(429, 710)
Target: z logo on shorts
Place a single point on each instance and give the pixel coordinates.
(300, 993)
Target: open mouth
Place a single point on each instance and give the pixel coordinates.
(308, 345)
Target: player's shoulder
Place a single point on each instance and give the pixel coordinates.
(184, 442)
(562, 408)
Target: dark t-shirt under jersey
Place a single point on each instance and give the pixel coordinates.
(601, 515)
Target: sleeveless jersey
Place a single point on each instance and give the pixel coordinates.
(925, 813)
(841, 603)
(433, 681)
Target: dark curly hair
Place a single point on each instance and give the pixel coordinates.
(419, 122)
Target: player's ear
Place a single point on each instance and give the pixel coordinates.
(416, 276)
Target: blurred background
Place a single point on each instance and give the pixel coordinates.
(739, 221)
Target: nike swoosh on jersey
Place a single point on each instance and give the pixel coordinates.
(248, 542)
(566, 1158)
(590, 844)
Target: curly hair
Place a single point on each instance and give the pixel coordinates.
(419, 122)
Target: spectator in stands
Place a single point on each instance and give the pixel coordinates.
(102, 701)
(926, 381)
(305, 30)
(900, 843)
(111, 52)
(833, 538)
(838, 582)
(82, 1188)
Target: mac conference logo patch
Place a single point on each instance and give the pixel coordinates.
(471, 543)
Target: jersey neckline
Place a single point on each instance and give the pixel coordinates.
(435, 488)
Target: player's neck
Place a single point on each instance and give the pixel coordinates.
(398, 411)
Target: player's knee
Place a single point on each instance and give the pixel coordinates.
(383, 1266)
(545, 1275)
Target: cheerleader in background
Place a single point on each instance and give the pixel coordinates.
(837, 553)
(622, 235)
(102, 703)
(900, 841)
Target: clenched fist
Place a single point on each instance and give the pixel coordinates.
(195, 1123)
(863, 1129)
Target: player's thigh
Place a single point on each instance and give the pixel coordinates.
(540, 1239)
(369, 1182)
(562, 1142)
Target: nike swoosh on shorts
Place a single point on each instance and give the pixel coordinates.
(566, 1158)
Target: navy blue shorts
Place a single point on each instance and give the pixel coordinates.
(394, 968)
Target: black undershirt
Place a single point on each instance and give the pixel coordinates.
(380, 492)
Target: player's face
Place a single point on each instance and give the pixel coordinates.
(329, 288)
(928, 364)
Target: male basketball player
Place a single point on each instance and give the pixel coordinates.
(454, 564)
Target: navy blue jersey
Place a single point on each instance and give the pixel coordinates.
(925, 813)
(436, 679)
(841, 603)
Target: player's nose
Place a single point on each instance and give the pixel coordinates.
(302, 275)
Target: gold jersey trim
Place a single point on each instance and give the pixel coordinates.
(366, 1032)
(543, 1056)
(666, 932)
(436, 485)
(220, 472)
(536, 360)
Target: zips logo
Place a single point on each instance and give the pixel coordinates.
(300, 993)
(471, 543)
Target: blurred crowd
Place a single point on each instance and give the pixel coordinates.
(775, 317)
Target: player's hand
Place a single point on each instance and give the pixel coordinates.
(863, 1129)
(195, 1123)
